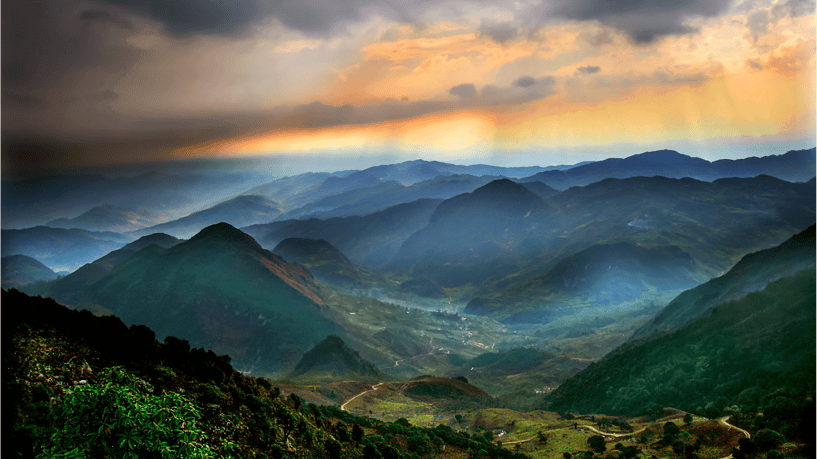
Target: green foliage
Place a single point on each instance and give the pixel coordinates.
(767, 439)
(712, 363)
(596, 443)
(687, 418)
(118, 416)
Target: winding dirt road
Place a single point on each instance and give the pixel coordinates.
(374, 388)
(722, 421)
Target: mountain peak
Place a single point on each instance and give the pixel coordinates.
(224, 232)
(332, 358)
(665, 157)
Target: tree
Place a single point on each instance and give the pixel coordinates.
(543, 439)
(357, 433)
(687, 419)
(332, 449)
(597, 444)
(767, 439)
(458, 417)
(296, 401)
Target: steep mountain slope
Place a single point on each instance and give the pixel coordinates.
(59, 248)
(74, 287)
(239, 211)
(107, 218)
(473, 228)
(601, 275)
(732, 355)
(219, 290)
(286, 189)
(344, 203)
(752, 273)
(333, 360)
(17, 270)
(324, 261)
(796, 166)
(370, 240)
(714, 223)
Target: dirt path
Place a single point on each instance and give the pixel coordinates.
(374, 388)
(430, 352)
(613, 435)
(722, 421)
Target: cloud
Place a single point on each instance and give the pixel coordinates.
(523, 89)
(524, 82)
(498, 32)
(589, 69)
(186, 17)
(605, 37)
(464, 91)
(104, 16)
(642, 20)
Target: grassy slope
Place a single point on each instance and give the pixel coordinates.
(763, 342)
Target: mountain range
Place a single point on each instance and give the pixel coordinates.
(794, 166)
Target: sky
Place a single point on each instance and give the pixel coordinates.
(522, 82)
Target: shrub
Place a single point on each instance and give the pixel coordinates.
(119, 417)
(767, 439)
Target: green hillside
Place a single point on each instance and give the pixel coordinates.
(76, 385)
(742, 353)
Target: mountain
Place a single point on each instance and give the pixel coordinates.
(301, 194)
(222, 291)
(370, 199)
(410, 172)
(324, 261)
(752, 273)
(343, 203)
(539, 188)
(483, 223)
(333, 360)
(795, 166)
(239, 211)
(756, 353)
(106, 218)
(73, 288)
(165, 196)
(20, 270)
(62, 249)
(601, 275)
(369, 241)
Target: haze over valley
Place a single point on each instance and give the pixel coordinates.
(510, 286)
(438, 229)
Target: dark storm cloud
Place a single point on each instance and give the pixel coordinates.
(233, 17)
(642, 20)
(184, 17)
(104, 16)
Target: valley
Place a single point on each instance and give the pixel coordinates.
(575, 312)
